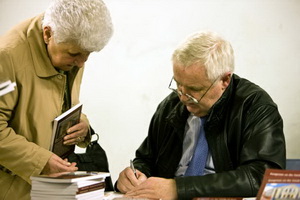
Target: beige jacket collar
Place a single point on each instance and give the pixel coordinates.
(42, 63)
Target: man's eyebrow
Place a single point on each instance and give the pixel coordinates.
(190, 87)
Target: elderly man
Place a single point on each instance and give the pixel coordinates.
(213, 136)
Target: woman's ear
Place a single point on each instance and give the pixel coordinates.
(47, 34)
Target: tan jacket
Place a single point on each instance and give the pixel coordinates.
(26, 114)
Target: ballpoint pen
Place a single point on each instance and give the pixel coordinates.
(132, 167)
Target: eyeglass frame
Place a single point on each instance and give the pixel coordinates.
(179, 93)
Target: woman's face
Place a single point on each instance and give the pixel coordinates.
(64, 56)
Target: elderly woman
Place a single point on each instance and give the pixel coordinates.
(45, 56)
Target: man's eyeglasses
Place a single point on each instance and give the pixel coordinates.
(191, 98)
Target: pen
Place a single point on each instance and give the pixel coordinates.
(132, 167)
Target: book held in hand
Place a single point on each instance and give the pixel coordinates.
(60, 126)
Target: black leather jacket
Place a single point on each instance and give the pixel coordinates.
(245, 135)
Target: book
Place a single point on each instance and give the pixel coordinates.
(224, 198)
(67, 188)
(218, 198)
(94, 195)
(60, 126)
(6, 87)
(70, 177)
(280, 184)
(75, 185)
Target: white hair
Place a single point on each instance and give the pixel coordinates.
(86, 23)
(207, 49)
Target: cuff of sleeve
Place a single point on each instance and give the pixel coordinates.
(184, 189)
(180, 187)
(42, 159)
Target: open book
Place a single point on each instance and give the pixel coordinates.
(60, 126)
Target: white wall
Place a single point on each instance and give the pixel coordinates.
(124, 83)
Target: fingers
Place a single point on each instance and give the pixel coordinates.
(63, 165)
(142, 191)
(141, 177)
(127, 180)
(81, 129)
(64, 162)
(124, 184)
(155, 188)
(73, 140)
(141, 194)
(56, 165)
(76, 134)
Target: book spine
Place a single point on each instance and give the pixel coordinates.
(91, 188)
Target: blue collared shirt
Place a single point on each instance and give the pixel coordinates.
(192, 128)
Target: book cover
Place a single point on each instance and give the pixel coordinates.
(49, 186)
(60, 127)
(280, 184)
(70, 177)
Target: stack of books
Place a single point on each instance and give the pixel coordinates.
(76, 185)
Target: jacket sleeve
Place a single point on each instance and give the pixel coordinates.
(161, 151)
(18, 155)
(146, 154)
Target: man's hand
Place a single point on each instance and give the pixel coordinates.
(155, 188)
(76, 133)
(55, 165)
(127, 180)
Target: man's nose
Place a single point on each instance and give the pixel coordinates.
(183, 96)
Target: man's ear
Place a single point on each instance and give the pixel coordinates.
(47, 34)
(226, 78)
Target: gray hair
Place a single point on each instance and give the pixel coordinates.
(208, 49)
(86, 23)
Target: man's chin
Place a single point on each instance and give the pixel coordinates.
(195, 110)
(192, 109)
